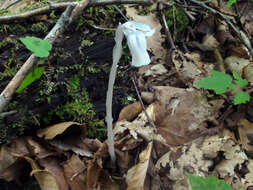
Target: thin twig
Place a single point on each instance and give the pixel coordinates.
(168, 34)
(143, 107)
(13, 3)
(63, 5)
(5, 114)
(120, 12)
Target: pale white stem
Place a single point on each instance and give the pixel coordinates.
(117, 52)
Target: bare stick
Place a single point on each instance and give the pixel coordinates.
(143, 107)
(63, 5)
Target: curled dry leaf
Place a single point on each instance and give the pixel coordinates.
(57, 129)
(130, 111)
(136, 175)
(46, 179)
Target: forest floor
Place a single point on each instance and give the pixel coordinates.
(53, 132)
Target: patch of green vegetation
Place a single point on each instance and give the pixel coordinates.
(128, 99)
(93, 69)
(85, 43)
(146, 10)
(4, 12)
(12, 28)
(80, 23)
(35, 5)
(39, 28)
(52, 15)
(79, 109)
(177, 18)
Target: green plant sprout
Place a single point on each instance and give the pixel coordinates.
(207, 183)
(41, 49)
(221, 82)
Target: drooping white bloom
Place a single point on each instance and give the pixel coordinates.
(135, 33)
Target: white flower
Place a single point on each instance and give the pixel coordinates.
(135, 33)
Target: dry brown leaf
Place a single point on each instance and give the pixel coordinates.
(236, 64)
(209, 43)
(157, 69)
(246, 10)
(74, 173)
(36, 149)
(245, 130)
(52, 165)
(10, 164)
(136, 175)
(66, 147)
(130, 111)
(196, 158)
(181, 114)
(191, 68)
(57, 129)
(93, 172)
(248, 72)
(154, 43)
(45, 178)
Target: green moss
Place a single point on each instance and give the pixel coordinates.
(86, 43)
(146, 10)
(93, 69)
(128, 99)
(35, 5)
(176, 17)
(12, 28)
(79, 109)
(4, 12)
(39, 27)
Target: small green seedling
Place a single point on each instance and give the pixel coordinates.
(35, 74)
(41, 49)
(230, 2)
(221, 82)
(208, 183)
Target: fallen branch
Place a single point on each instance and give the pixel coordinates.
(63, 5)
(66, 18)
(239, 33)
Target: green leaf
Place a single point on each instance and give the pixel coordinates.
(219, 82)
(241, 97)
(230, 2)
(30, 78)
(208, 183)
(39, 47)
(239, 81)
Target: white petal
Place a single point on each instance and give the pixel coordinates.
(133, 26)
(138, 47)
